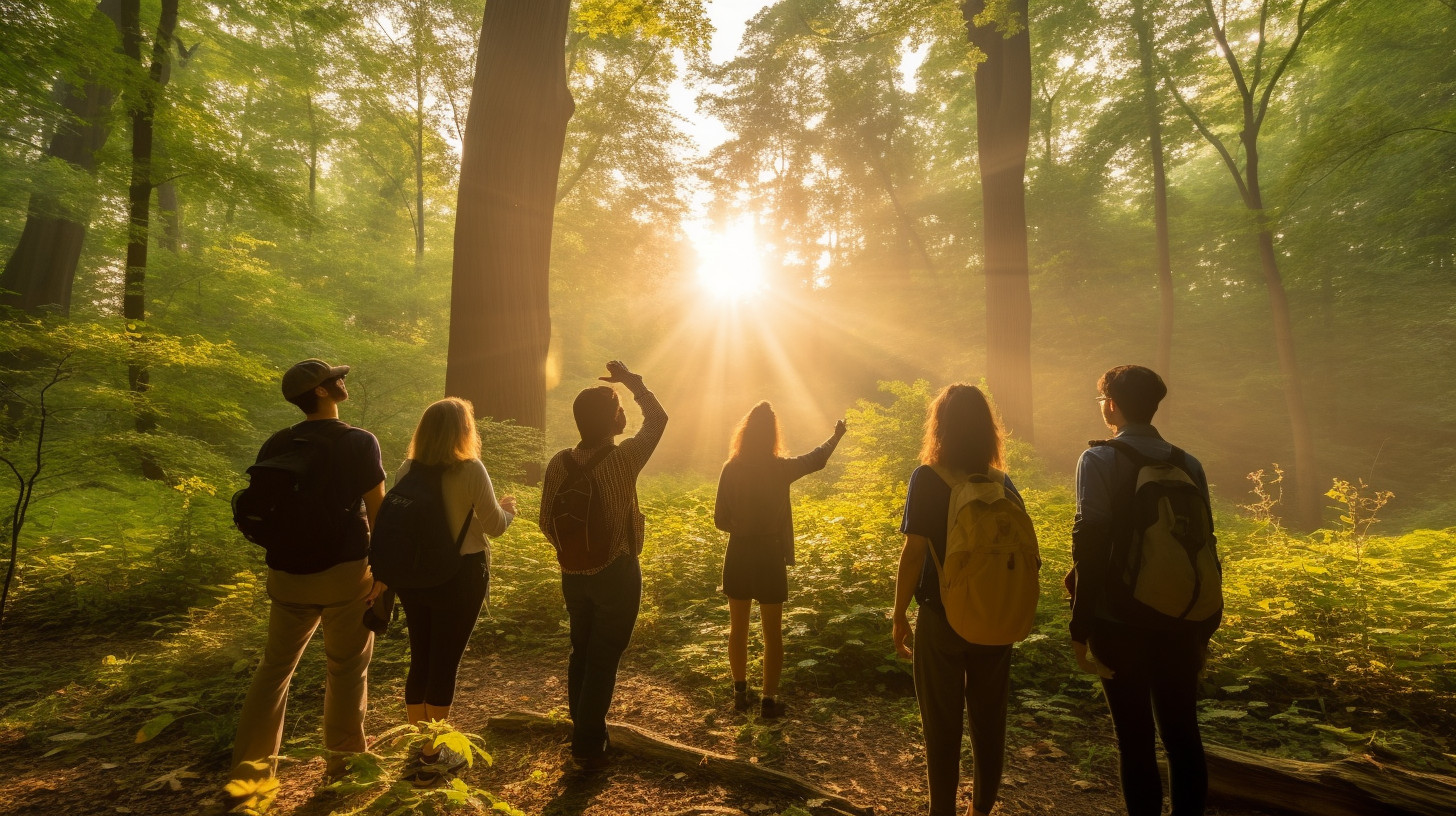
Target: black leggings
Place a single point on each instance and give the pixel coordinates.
(440, 621)
(1154, 692)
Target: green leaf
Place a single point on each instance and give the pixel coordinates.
(154, 726)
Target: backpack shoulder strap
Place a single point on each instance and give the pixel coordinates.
(1138, 457)
(946, 475)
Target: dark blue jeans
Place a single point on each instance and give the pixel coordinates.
(1154, 692)
(603, 609)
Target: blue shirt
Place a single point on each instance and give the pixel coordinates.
(927, 505)
(1105, 479)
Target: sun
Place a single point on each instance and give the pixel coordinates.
(730, 267)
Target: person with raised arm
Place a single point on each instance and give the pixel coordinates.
(590, 514)
(753, 508)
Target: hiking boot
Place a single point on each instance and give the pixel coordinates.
(740, 699)
(771, 709)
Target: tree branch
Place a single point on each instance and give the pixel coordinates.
(1303, 26)
(1221, 37)
(1362, 148)
(1263, 40)
(1217, 143)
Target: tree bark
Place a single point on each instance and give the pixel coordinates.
(1164, 254)
(500, 323)
(42, 268)
(139, 195)
(1350, 787)
(1003, 135)
(417, 37)
(170, 208)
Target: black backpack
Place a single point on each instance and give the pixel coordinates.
(291, 505)
(1165, 569)
(412, 545)
(579, 525)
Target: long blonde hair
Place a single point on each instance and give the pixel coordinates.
(757, 435)
(446, 434)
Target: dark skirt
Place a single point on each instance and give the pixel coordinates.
(754, 570)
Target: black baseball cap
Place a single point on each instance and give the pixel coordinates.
(308, 375)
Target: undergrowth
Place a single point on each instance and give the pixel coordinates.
(1333, 643)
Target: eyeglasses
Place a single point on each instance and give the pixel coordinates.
(1102, 399)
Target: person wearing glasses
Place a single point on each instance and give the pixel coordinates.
(1148, 661)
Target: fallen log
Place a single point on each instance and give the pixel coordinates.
(1358, 786)
(729, 769)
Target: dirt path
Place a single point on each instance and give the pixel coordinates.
(863, 748)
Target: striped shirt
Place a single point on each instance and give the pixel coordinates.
(616, 477)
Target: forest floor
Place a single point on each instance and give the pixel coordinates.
(859, 743)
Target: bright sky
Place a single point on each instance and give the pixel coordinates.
(728, 17)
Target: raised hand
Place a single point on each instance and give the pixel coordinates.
(617, 373)
(840, 428)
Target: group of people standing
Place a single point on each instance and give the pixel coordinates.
(1149, 671)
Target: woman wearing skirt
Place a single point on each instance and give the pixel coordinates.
(753, 508)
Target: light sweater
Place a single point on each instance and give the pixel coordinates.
(467, 485)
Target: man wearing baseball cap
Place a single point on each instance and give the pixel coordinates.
(325, 581)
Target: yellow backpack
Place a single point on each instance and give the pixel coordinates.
(989, 583)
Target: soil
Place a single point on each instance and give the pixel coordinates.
(860, 746)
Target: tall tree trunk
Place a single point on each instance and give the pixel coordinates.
(1160, 188)
(500, 322)
(1003, 131)
(170, 208)
(42, 268)
(1305, 484)
(139, 195)
(419, 145)
(906, 221)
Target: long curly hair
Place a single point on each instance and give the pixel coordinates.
(962, 431)
(757, 436)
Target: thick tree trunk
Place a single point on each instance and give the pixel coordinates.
(1003, 130)
(139, 195)
(1160, 189)
(1350, 787)
(500, 323)
(42, 268)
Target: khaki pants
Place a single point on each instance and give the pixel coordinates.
(335, 598)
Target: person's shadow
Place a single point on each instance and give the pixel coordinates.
(580, 788)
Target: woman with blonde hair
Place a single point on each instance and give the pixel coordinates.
(962, 438)
(753, 508)
(441, 618)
